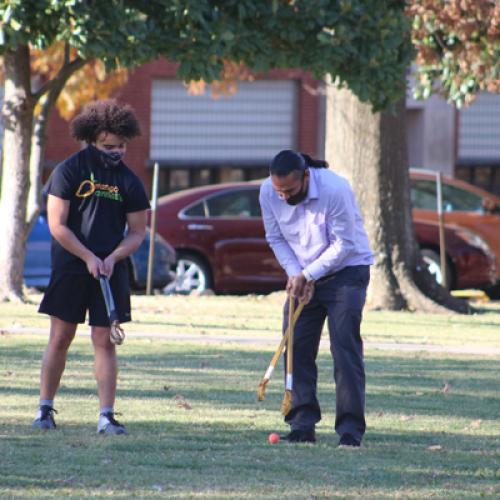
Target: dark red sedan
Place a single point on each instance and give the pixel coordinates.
(218, 234)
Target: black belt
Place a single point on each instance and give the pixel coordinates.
(326, 278)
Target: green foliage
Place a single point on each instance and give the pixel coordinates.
(361, 44)
(110, 31)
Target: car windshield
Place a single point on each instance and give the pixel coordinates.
(423, 196)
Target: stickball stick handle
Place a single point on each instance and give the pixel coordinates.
(108, 298)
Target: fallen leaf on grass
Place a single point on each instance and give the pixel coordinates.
(76, 444)
(434, 447)
(181, 402)
(446, 387)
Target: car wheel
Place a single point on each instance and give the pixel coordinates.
(493, 292)
(192, 275)
(433, 261)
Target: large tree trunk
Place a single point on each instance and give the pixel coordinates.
(18, 115)
(23, 159)
(369, 149)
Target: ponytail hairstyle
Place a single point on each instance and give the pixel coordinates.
(313, 163)
(288, 161)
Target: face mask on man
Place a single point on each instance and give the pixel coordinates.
(113, 157)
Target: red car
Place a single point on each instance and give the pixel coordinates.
(218, 234)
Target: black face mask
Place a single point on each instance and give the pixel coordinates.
(300, 196)
(109, 158)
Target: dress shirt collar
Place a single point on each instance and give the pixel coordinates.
(312, 190)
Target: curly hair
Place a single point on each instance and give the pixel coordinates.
(105, 116)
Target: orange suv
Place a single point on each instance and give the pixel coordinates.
(464, 205)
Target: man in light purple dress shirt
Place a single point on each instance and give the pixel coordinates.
(315, 229)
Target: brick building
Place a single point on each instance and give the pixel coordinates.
(198, 140)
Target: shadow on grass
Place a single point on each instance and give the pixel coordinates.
(187, 457)
(406, 383)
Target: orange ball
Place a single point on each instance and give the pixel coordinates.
(273, 438)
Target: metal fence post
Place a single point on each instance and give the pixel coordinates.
(152, 234)
(442, 239)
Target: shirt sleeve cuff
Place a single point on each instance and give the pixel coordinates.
(307, 275)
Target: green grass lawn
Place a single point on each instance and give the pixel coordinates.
(196, 430)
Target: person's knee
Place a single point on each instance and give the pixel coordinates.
(61, 342)
(100, 338)
(61, 335)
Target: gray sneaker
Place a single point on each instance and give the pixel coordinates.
(108, 425)
(44, 418)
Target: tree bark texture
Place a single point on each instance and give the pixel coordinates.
(38, 141)
(17, 115)
(37, 156)
(51, 91)
(369, 149)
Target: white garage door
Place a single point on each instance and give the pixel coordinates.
(250, 126)
(479, 131)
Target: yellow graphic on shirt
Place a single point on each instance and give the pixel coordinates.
(88, 187)
(85, 189)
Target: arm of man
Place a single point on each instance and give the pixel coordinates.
(136, 222)
(57, 214)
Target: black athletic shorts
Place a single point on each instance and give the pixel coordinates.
(70, 296)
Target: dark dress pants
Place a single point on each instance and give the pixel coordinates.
(341, 300)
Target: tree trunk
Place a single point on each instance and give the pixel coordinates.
(37, 162)
(18, 115)
(369, 149)
(52, 90)
(23, 160)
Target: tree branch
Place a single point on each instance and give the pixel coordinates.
(67, 69)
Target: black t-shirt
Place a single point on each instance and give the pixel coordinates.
(100, 197)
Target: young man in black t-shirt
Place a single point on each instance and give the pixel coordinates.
(92, 197)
